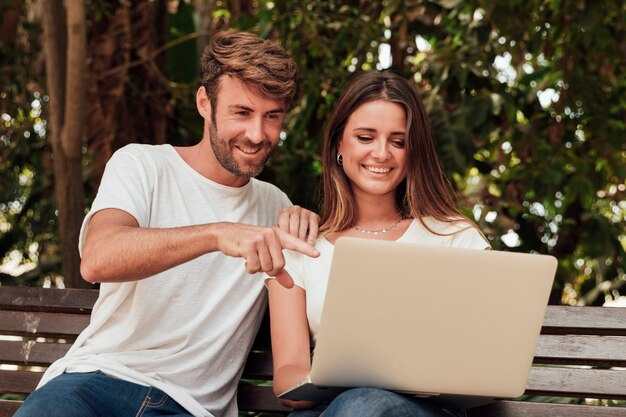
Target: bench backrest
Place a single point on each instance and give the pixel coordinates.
(580, 358)
(38, 325)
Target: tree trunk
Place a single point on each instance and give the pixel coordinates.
(126, 103)
(64, 46)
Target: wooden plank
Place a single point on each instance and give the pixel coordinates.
(24, 323)
(256, 398)
(606, 351)
(8, 407)
(78, 301)
(31, 352)
(19, 382)
(577, 382)
(259, 399)
(530, 409)
(585, 320)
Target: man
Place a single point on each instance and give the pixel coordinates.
(173, 235)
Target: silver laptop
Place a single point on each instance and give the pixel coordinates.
(458, 326)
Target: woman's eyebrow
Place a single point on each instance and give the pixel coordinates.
(372, 130)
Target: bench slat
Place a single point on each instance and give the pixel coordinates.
(573, 382)
(542, 381)
(8, 407)
(58, 325)
(31, 352)
(585, 320)
(19, 382)
(75, 301)
(530, 409)
(593, 350)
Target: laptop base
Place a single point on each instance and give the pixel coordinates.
(311, 392)
(324, 395)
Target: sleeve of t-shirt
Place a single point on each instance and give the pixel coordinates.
(470, 238)
(284, 200)
(125, 185)
(293, 266)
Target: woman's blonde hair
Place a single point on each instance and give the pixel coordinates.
(424, 192)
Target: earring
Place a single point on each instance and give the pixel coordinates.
(339, 159)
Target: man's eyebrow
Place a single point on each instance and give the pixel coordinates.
(239, 107)
(248, 109)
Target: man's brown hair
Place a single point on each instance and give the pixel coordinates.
(261, 64)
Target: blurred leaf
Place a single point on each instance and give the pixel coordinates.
(181, 61)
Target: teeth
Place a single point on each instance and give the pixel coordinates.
(378, 170)
(248, 150)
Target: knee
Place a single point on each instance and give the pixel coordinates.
(375, 402)
(366, 394)
(368, 402)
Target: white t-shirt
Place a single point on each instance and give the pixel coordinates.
(311, 274)
(187, 330)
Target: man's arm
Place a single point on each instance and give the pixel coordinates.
(116, 249)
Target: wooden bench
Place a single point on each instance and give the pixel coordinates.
(578, 356)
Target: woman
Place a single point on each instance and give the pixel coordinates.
(382, 180)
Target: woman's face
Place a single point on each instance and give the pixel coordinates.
(373, 147)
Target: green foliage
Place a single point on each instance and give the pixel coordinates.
(27, 221)
(181, 61)
(527, 101)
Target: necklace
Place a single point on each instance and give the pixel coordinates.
(375, 232)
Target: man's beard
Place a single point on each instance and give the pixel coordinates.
(223, 152)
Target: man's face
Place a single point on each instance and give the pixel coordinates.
(245, 127)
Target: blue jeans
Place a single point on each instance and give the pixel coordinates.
(374, 402)
(94, 394)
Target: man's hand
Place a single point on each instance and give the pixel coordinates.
(261, 248)
(299, 222)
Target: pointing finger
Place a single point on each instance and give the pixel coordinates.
(291, 242)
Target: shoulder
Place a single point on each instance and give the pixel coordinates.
(265, 190)
(460, 232)
(136, 157)
(265, 186)
(143, 150)
(142, 153)
(450, 226)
